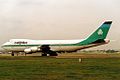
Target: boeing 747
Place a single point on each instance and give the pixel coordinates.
(51, 47)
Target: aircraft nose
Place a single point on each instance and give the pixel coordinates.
(5, 44)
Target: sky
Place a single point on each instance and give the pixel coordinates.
(58, 19)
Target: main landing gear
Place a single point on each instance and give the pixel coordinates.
(45, 49)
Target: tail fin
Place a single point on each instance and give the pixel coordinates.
(99, 34)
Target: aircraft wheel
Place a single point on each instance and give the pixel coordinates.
(53, 53)
(12, 54)
(44, 54)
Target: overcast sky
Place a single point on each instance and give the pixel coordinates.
(58, 19)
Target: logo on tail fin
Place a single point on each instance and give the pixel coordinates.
(100, 32)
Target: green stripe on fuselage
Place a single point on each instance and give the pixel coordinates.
(42, 44)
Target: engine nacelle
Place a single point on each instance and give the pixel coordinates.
(27, 50)
(34, 49)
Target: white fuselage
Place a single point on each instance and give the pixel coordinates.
(55, 45)
(21, 44)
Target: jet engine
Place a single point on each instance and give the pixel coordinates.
(28, 50)
(32, 50)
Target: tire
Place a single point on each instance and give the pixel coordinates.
(12, 54)
(44, 54)
(52, 53)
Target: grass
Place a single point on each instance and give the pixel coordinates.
(47, 68)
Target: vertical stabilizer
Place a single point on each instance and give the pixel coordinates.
(100, 34)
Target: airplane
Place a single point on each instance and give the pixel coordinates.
(51, 47)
